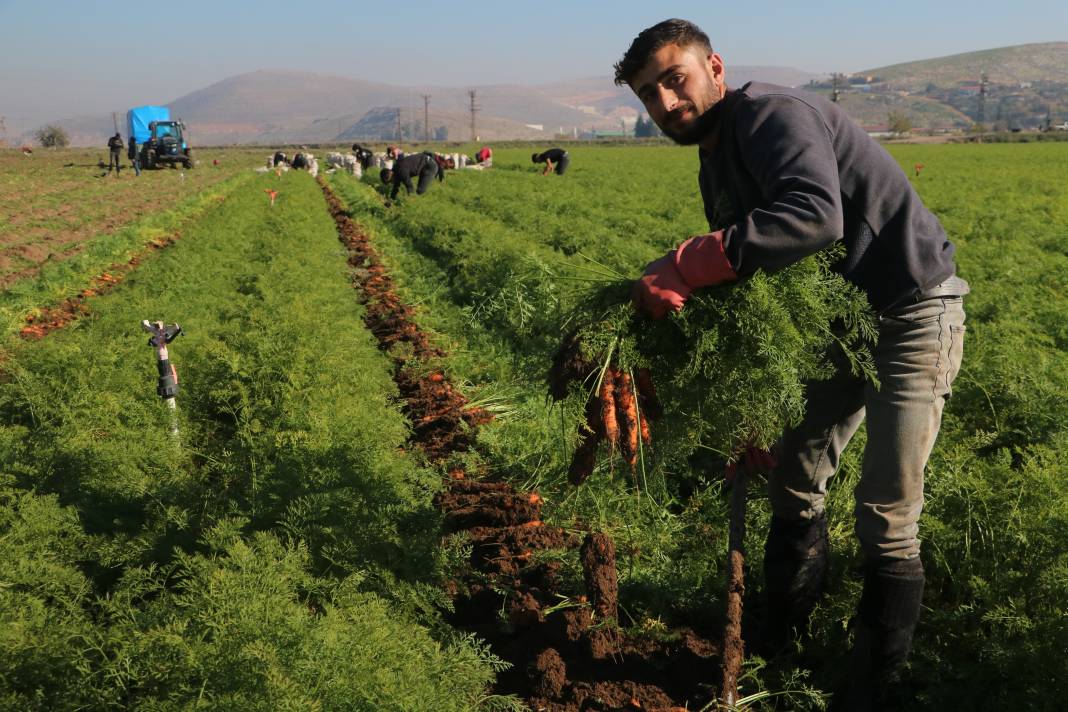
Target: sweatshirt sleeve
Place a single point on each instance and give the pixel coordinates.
(786, 146)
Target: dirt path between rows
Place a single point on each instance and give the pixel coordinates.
(567, 651)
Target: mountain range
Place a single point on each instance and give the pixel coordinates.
(1024, 85)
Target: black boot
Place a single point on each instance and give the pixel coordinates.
(795, 578)
(882, 635)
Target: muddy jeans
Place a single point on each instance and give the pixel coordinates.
(917, 357)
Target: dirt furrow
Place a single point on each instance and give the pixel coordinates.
(568, 652)
(48, 319)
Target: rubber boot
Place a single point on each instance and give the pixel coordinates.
(795, 578)
(882, 636)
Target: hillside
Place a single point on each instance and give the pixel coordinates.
(1044, 62)
(1026, 87)
(300, 107)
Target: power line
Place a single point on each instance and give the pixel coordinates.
(981, 114)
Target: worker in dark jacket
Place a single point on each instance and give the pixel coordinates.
(553, 158)
(783, 175)
(364, 156)
(416, 164)
(135, 156)
(115, 146)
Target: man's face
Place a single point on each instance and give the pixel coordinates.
(677, 86)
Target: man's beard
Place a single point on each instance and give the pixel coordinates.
(700, 128)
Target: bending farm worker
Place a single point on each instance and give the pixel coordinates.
(416, 164)
(554, 159)
(784, 174)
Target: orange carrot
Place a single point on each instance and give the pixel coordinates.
(608, 409)
(643, 423)
(627, 414)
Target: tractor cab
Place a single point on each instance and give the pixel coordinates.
(166, 144)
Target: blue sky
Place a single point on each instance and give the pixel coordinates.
(72, 57)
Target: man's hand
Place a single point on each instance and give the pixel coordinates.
(661, 289)
(667, 282)
(751, 460)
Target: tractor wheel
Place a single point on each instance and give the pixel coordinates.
(150, 159)
(188, 163)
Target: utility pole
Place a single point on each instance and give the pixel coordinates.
(834, 86)
(398, 125)
(115, 120)
(3, 130)
(472, 94)
(426, 117)
(981, 114)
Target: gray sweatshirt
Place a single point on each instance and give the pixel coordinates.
(792, 173)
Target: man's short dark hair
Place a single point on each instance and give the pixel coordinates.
(677, 32)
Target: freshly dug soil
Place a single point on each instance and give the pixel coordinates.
(567, 650)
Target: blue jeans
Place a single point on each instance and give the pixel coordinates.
(917, 357)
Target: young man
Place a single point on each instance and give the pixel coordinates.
(783, 175)
(557, 157)
(115, 147)
(417, 164)
(135, 156)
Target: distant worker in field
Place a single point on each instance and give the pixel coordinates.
(484, 157)
(134, 156)
(364, 156)
(299, 162)
(422, 165)
(444, 162)
(115, 147)
(279, 158)
(554, 158)
(783, 175)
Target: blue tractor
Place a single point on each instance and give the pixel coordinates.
(160, 140)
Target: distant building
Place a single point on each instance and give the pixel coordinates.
(536, 127)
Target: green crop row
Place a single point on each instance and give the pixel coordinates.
(500, 259)
(280, 553)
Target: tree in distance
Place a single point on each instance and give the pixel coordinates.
(645, 128)
(52, 136)
(900, 123)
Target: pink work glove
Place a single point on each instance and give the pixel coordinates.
(751, 460)
(667, 282)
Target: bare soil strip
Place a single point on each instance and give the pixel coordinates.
(48, 319)
(568, 652)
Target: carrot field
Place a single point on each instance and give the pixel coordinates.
(367, 505)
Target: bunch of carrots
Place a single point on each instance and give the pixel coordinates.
(618, 412)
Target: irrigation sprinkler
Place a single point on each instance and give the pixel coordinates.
(167, 387)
